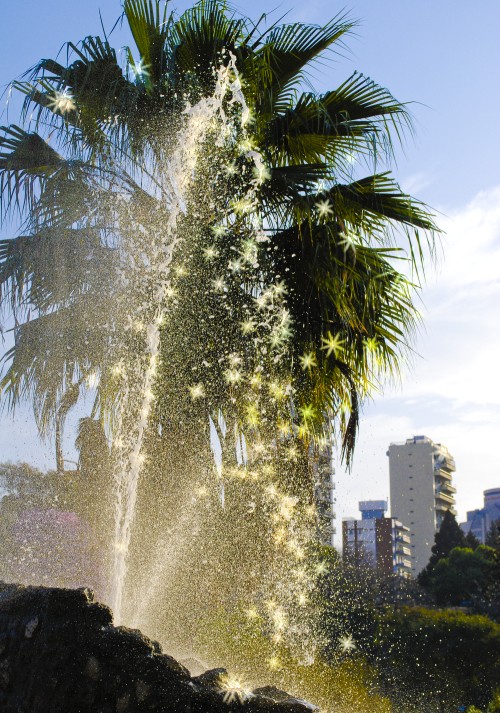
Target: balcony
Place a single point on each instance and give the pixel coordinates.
(444, 463)
(402, 550)
(440, 495)
(447, 487)
(440, 472)
(442, 507)
(403, 564)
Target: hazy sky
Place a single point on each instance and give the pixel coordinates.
(445, 57)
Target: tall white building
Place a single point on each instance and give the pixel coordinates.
(421, 492)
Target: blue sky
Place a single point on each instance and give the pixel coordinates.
(444, 57)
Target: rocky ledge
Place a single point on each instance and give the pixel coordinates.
(60, 653)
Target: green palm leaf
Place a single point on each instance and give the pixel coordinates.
(25, 159)
(287, 51)
(199, 38)
(150, 28)
(353, 118)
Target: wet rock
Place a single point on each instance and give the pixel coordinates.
(92, 669)
(142, 691)
(291, 703)
(4, 674)
(275, 694)
(30, 628)
(60, 652)
(123, 703)
(214, 678)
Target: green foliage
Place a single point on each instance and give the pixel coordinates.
(244, 647)
(426, 659)
(471, 540)
(27, 488)
(347, 596)
(493, 535)
(465, 575)
(29, 484)
(469, 578)
(446, 538)
(445, 658)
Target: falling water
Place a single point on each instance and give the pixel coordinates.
(179, 173)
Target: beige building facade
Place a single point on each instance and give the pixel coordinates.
(421, 492)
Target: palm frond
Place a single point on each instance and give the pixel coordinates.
(356, 118)
(150, 27)
(25, 159)
(49, 268)
(334, 241)
(289, 49)
(92, 93)
(199, 38)
(50, 352)
(373, 206)
(381, 197)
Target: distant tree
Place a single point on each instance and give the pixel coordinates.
(94, 491)
(471, 540)
(28, 488)
(446, 539)
(466, 575)
(28, 484)
(493, 535)
(45, 532)
(437, 660)
(346, 597)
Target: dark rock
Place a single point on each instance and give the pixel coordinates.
(213, 677)
(292, 704)
(275, 694)
(59, 652)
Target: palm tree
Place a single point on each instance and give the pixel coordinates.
(333, 238)
(312, 299)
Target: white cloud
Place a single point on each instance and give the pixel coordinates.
(416, 183)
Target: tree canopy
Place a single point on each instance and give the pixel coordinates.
(85, 173)
(446, 539)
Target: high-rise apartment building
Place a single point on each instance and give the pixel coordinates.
(479, 521)
(421, 491)
(377, 541)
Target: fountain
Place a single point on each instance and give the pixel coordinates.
(214, 378)
(233, 497)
